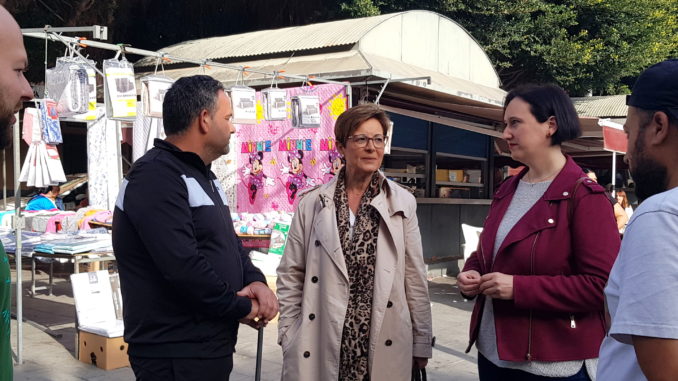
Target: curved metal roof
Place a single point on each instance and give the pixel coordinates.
(420, 38)
(290, 39)
(610, 106)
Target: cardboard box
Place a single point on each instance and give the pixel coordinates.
(475, 176)
(105, 352)
(98, 304)
(456, 175)
(442, 175)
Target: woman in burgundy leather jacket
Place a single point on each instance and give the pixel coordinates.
(547, 247)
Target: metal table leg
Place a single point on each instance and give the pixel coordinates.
(51, 277)
(32, 276)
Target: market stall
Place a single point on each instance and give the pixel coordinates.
(432, 77)
(438, 86)
(70, 95)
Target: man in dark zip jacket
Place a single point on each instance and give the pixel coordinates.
(186, 280)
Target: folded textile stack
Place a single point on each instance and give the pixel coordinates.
(258, 223)
(37, 220)
(76, 245)
(28, 241)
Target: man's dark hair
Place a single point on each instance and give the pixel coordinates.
(646, 117)
(546, 101)
(50, 188)
(186, 99)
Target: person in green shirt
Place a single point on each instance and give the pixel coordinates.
(5, 302)
(14, 90)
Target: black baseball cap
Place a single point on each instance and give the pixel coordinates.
(657, 88)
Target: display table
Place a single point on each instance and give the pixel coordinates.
(255, 241)
(90, 257)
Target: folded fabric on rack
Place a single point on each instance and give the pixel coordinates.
(28, 241)
(52, 222)
(100, 216)
(37, 220)
(76, 245)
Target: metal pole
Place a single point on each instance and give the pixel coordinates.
(18, 225)
(97, 31)
(118, 149)
(260, 347)
(349, 95)
(161, 55)
(614, 173)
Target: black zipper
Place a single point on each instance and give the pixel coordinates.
(529, 331)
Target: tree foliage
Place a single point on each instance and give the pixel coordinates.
(582, 45)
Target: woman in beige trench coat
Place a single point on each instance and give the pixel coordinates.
(352, 287)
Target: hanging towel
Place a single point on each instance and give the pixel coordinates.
(49, 118)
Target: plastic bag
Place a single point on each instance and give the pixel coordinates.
(244, 103)
(275, 104)
(120, 90)
(153, 89)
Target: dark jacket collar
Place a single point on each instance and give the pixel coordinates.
(559, 189)
(187, 157)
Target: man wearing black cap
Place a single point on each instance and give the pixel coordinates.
(642, 292)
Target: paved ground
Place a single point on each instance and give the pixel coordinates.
(51, 356)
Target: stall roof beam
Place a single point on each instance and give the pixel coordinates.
(464, 125)
(97, 31)
(382, 81)
(161, 55)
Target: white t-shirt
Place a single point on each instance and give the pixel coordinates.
(641, 292)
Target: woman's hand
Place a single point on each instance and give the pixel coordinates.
(469, 282)
(497, 286)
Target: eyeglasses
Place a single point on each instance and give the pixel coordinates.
(361, 140)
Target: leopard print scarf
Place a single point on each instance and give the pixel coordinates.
(360, 257)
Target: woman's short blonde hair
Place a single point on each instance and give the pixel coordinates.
(351, 119)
